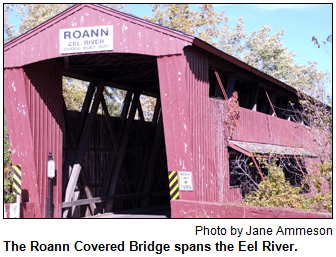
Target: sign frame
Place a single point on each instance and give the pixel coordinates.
(86, 39)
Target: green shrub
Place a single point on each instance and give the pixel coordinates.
(9, 196)
(275, 191)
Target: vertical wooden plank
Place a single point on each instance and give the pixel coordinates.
(18, 121)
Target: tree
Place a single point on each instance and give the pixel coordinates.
(232, 42)
(324, 43)
(9, 29)
(203, 23)
(266, 52)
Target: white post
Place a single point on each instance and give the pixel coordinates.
(18, 199)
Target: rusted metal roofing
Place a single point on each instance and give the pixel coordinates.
(266, 149)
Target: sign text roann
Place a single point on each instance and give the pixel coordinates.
(88, 39)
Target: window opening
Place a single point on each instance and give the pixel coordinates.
(243, 172)
(74, 92)
(214, 89)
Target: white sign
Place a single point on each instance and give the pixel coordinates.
(51, 168)
(89, 39)
(185, 181)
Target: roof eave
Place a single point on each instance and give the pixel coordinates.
(211, 49)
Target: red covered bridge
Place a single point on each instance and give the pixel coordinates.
(122, 164)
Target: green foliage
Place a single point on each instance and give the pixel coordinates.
(7, 152)
(265, 51)
(232, 116)
(74, 92)
(276, 191)
(321, 181)
(203, 24)
(9, 196)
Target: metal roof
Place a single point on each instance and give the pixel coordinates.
(266, 149)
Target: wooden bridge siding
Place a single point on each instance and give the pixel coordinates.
(262, 128)
(33, 103)
(130, 35)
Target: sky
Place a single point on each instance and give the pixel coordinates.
(301, 23)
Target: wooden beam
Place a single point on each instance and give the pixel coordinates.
(109, 126)
(157, 111)
(115, 175)
(85, 108)
(230, 84)
(152, 160)
(265, 106)
(148, 140)
(87, 190)
(289, 112)
(124, 112)
(81, 147)
(107, 198)
(107, 174)
(254, 97)
(273, 101)
(114, 141)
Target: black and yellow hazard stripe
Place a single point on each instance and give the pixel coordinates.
(173, 185)
(17, 179)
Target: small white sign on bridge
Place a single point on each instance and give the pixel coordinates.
(185, 181)
(88, 39)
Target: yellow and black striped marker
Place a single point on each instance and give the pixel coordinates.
(173, 185)
(17, 179)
